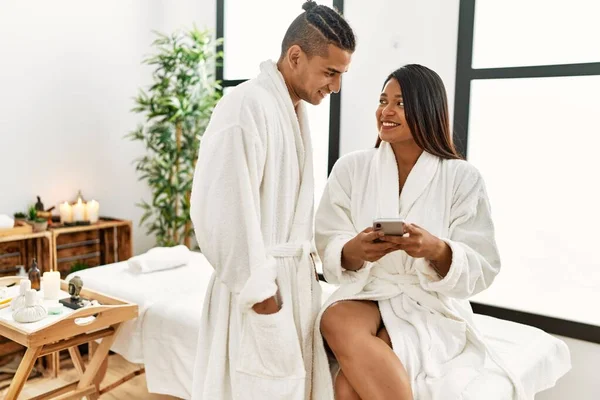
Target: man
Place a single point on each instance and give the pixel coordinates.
(252, 209)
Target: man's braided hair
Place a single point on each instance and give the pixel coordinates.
(316, 28)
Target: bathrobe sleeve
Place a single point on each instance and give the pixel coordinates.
(334, 227)
(226, 207)
(475, 258)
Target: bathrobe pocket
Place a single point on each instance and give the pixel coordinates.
(448, 337)
(269, 346)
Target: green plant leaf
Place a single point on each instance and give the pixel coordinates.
(183, 93)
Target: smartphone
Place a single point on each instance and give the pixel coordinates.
(389, 226)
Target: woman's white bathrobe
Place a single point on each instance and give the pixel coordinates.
(428, 319)
(252, 207)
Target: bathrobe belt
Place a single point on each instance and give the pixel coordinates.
(396, 279)
(305, 276)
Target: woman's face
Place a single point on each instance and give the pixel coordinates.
(391, 121)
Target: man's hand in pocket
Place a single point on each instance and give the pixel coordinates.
(269, 306)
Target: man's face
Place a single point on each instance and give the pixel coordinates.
(318, 76)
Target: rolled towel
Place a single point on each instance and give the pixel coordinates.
(159, 258)
(6, 222)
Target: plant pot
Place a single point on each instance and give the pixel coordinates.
(40, 226)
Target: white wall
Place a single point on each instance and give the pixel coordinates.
(391, 34)
(68, 73)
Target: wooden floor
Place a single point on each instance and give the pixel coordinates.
(117, 368)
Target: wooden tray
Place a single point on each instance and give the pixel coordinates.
(68, 331)
(112, 311)
(20, 228)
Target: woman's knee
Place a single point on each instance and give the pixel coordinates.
(345, 319)
(331, 321)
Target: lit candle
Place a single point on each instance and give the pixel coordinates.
(65, 212)
(51, 285)
(93, 208)
(78, 211)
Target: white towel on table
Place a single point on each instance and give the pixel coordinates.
(6, 222)
(160, 258)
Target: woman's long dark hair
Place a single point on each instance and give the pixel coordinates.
(426, 109)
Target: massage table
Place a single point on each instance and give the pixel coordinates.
(164, 336)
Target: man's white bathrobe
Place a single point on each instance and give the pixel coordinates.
(252, 207)
(428, 319)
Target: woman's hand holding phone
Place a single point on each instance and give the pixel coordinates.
(421, 244)
(363, 247)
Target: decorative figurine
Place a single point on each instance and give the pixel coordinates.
(75, 301)
(75, 285)
(39, 205)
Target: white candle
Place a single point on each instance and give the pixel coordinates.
(93, 208)
(65, 212)
(78, 211)
(51, 285)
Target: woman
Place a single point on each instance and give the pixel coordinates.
(399, 325)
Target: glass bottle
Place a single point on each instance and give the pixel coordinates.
(34, 275)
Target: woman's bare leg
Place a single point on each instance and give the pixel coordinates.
(368, 363)
(343, 389)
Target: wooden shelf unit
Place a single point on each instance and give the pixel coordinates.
(105, 242)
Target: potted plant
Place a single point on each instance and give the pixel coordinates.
(39, 224)
(177, 108)
(19, 216)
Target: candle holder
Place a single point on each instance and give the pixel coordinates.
(77, 223)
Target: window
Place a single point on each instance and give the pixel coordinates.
(528, 75)
(513, 33)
